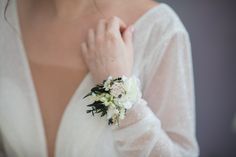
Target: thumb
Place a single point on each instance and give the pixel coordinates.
(128, 35)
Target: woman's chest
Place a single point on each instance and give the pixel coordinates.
(55, 62)
(57, 69)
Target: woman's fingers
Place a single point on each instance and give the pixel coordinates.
(99, 39)
(115, 26)
(91, 38)
(101, 28)
(108, 49)
(128, 36)
(84, 51)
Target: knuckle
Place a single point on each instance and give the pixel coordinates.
(99, 39)
(83, 46)
(90, 30)
(89, 57)
(102, 20)
(91, 47)
(114, 18)
(111, 35)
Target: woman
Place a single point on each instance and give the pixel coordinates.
(54, 52)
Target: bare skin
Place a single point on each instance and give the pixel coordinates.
(53, 32)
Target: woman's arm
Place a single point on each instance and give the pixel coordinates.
(163, 122)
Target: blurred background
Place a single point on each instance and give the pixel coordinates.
(212, 28)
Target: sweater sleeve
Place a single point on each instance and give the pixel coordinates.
(162, 122)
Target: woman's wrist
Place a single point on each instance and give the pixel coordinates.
(113, 97)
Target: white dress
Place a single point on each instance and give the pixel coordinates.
(161, 124)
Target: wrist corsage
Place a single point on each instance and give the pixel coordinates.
(113, 97)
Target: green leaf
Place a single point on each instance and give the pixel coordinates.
(90, 93)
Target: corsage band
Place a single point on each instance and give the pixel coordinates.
(113, 97)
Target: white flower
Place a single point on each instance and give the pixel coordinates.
(124, 78)
(106, 98)
(121, 97)
(107, 83)
(111, 112)
(117, 89)
(133, 93)
(122, 113)
(127, 104)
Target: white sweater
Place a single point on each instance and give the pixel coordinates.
(162, 124)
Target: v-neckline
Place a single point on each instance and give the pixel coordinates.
(28, 72)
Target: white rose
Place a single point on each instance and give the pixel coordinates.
(132, 88)
(111, 112)
(127, 104)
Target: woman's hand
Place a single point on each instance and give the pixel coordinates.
(109, 49)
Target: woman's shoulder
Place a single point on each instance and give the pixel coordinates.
(168, 22)
(160, 27)
(162, 21)
(156, 28)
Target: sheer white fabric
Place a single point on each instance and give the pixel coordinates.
(161, 124)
